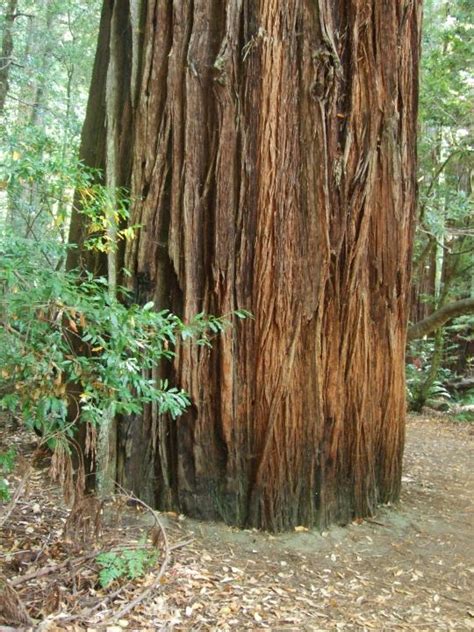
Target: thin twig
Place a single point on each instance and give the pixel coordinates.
(85, 614)
(179, 545)
(372, 521)
(47, 570)
(164, 565)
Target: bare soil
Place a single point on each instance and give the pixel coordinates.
(409, 568)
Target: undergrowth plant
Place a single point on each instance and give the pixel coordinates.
(129, 563)
(67, 346)
(421, 384)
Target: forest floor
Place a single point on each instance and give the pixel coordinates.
(409, 568)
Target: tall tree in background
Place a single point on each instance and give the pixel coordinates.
(6, 58)
(270, 151)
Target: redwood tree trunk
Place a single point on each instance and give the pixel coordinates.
(274, 170)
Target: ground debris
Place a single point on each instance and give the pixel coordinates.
(12, 609)
(406, 569)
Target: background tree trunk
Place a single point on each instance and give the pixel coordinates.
(6, 58)
(274, 170)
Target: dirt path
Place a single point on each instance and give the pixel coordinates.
(408, 569)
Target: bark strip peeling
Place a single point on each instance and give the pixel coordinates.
(273, 170)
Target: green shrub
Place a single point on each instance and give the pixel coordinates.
(130, 563)
(64, 340)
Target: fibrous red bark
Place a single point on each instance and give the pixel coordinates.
(274, 170)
